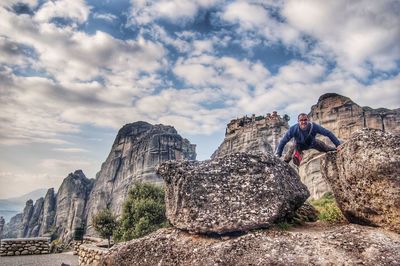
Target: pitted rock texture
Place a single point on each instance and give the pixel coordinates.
(343, 117)
(340, 245)
(236, 192)
(365, 178)
(137, 150)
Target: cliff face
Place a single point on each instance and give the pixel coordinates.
(343, 117)
(62, 212)
(138, 148)
(253, 134)
(71, 200)
(49, 211)
(2, 222)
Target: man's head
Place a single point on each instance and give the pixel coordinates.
(302, 119)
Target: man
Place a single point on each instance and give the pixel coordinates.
(304, 133)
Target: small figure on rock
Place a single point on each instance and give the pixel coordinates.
(304, 133)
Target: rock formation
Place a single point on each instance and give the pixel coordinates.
(71, 200)
(26, 216)
(338, 245)
(365, 178)
(138, 148)
(253, 134)
(35, 220)
(49, 211)
(2, 222)
(237, 192)
(343, 117)
(61, 213)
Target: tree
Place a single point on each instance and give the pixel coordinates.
(143, 212)
(105, 223)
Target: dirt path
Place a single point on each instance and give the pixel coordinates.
(41, 260)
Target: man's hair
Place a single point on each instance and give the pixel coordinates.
(302, 114)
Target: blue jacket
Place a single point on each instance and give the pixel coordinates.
(301, 139)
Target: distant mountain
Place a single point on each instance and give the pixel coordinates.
(11, 206)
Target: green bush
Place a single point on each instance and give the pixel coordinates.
(143, 212)
(105, 223)
(328, 209)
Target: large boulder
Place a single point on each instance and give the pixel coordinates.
(338, 245)
(365, 178)
(236, 192)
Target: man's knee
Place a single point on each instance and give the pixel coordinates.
(319, 145)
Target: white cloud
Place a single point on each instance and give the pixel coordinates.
(248, 15)
(10, 3)
(76, 10)
(70, 150)
(255, 21)
(105, 16)
(356, 32)
(145, 11)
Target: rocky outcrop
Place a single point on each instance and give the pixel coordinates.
(49, 211)
(339, 245)
(40, 219)
(255, 134)
(365, 178)
(11, 229)
(71, 200)
(138, 148)
(26, 216)
(2, 222)
(35, 221)
(343, 117)
(237, 192)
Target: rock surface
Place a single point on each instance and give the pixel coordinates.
(138, 148)
(71, 200)
(49, 211)
(365, 178)
(343, 117)
(339, 245)
(35, 221)
(255, 134)
(2, 222)
(26, 217)
(236, 192)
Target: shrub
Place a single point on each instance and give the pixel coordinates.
(143, 212)
(105, 223)
(328, 209)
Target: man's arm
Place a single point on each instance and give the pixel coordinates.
(288, 135)
(323, 131)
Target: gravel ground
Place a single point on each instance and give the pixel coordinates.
(41, 260)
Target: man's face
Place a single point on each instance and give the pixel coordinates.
(303, 122)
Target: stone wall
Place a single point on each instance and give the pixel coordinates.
(25, 246)
(86, 240)
(90, 254)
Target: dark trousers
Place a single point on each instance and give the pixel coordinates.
(318, 145)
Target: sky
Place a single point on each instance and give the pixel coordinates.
(72, 73)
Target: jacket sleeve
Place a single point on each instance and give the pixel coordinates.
(288, 135)
(323, 131)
